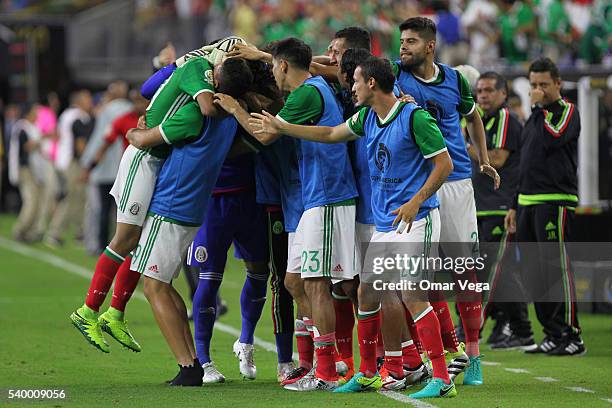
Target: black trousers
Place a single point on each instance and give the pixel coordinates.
(106, 209)
(542, 231)
(282, 301)
(506, 295)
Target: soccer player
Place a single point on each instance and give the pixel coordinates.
(446, 95)
(324, 243)
(400, 139)
(503, 131)
(543, 212)
(133, 189)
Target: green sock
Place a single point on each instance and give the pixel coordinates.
(116, 314)
(88, 313)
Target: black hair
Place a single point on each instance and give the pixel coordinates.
(355, 37)
(350, 60)
(295, 51)
(424, 26)
(545, 64)
(236, 77)
(500, 81)
(379, 69)
(263, 80)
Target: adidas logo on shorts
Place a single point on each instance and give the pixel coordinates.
(338, 268)
(153, 268)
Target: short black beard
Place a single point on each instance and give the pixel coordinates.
(409, 67)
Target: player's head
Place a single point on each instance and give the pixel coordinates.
(349, 61)
(233, 77)
(349, 37)
(289, 56)
(82, 99)
(417, 41)
(544, 75)
(263, 80)
(491, 91)
(139, 103)
(371, 76)
(30, 111)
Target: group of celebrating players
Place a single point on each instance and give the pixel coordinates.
(248, 146)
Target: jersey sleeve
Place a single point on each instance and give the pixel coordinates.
(562, 126)
(466, 104)
(196, 76)
(507, 132)
(356, 123)
(150, 86)
(426, 134)
(304, 106)
(186, 123)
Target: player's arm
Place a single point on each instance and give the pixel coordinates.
(430, 141)
(150, 86)
(475, 128)
(196, 79)
(234, 108)
(329, 72)
(144, 138)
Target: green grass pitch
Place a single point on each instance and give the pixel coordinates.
(39, 349)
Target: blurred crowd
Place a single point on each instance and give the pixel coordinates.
(58, 166)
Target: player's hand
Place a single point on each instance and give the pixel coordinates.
(407, 98)
(142, 122)
(167, 55)
(405, 215)
(246, 51)
(265, 122)
(229, 104)
(491, 172)
(510, 221)
(537, 95)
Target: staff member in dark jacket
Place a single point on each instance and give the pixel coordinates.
(545, 205)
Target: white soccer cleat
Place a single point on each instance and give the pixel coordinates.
(284, 369)
(211, 374)
(416, 376)
(392, 384)
(312, 383)
(244, 352)
(341, 368)
(459, 362)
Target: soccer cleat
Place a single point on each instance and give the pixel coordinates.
(571, 347)
(501, 331)
(284, 369)
(90, 329)
(515, 342)
(244, 353)
(361, 383)
(458, 363)
(390, 383)
(547, 345)
(188, 377)
(311, 383)
(473, 374)
(118, 330)
(297, 374)
(211, 374)
(436, 388)
(417, 375)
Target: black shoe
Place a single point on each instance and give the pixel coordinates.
(188, 377)
(546, 346)
(515, 342)
(570, 347)
(501, 331)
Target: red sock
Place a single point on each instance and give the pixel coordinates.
(380, 346)
(325, 345)
(447, 328)
(126, 283)
(345, 322)
(414, 333)
(469, 303)
(429, 331)
(305, 346)
(368, 330)
(106, 269)
(410, 355)
(471, 316)
(393, 364)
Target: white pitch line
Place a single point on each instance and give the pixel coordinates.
(403, 398)
(607, 400)
(87, 274)
(546, 379)
(580, 389)
(517, 370)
